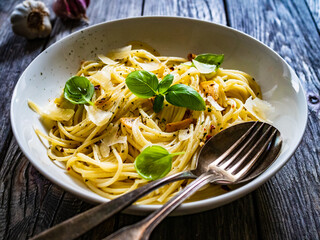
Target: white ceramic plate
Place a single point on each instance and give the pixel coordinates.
(45, 78)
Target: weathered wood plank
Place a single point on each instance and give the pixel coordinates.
(15, 54)
(233, 221)
(314, 6)
(6, 8)
(288, 205)
(205, 10)
(15, 198)
(30, 203)
(98, 11)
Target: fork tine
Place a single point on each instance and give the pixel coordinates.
(250, 164)
(248, 141)
(236, 144)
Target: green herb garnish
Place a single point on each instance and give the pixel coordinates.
(154, 162)
(209, 58)
(207, 63)
(183, 96)
(165, 83)
(144, 84)
(158, 103)
(79, 90)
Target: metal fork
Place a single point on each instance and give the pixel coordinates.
(239, 163)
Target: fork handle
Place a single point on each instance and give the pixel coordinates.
(78, 225)
(143, 229)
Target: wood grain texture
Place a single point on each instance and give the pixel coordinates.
(201, 9)
(233, 221)
(98, 12)
(30, 203)
(288, 205)
(15, 54)
(314, 7)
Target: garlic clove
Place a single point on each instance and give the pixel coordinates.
(31, 19)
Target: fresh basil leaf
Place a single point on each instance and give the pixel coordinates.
(143, 84)
(211, 59)
(154, 162)
(165, 83)
(182, 95)
(203, 67)
(208, 62)
(158, 103)
(79, 90)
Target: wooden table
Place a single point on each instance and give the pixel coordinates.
(286, 207)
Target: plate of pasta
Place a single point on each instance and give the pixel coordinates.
(114, 106)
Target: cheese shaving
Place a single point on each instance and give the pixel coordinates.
(97, 116)
(51, 111)
(259, 108)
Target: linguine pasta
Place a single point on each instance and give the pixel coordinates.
(99, 143)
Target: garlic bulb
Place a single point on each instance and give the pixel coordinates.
(31, 19)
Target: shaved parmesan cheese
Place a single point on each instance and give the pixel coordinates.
(98, 116)
(61, 102)
(214, 103)
(259, 108)
(120, 53)
(51, 111)
(103, 78)
(113, 137)
(116, 140)
(151, 66)
(107, 60)
(184, 134)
